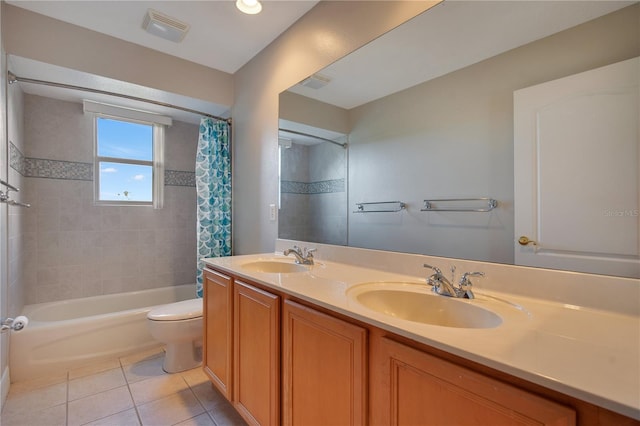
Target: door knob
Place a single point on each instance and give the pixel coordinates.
(524, 241)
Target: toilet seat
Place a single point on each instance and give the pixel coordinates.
(184, 310)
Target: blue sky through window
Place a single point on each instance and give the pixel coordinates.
(123, 139)
(127, 141)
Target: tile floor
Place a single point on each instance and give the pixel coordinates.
(131, 390)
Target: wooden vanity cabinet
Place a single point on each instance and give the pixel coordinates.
(310, 366)
(256, 370)
(324, 364)
(217, 352)
(411, 387)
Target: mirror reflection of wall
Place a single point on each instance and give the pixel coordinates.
(452, 136)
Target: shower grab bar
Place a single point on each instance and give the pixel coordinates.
(11, 187)
(428, 206)
(399, 206)
(15, 203)
(4, 197)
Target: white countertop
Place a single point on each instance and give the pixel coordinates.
(587, 353)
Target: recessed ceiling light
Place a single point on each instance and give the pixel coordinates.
(164, 26)
(250, 7)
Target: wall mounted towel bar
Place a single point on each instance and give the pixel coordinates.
(451, 205)
(384, 207)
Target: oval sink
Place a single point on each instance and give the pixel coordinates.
(274, 267)
(413, 302)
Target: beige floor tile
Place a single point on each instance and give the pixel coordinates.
(209, 397)
(23, 403)
(145, 369)
(226, 415)
(170, 410)
(94, 368)
(142, 356)
(41, 382)
(124, 418)
(202, 420)
(98, 406)
(53, 416)
(157, 387)
(96, 383)
(195, 376)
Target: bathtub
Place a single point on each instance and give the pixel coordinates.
(69, 333)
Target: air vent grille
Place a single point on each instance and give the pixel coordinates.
(164, 26)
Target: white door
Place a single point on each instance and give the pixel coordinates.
(577, 183)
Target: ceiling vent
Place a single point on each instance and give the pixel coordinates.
(316, 81)
(164, 26)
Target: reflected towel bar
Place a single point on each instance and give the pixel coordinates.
(399, 205)
(428, 206)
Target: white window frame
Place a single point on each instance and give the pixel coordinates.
(158, 123)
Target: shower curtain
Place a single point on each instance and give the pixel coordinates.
(213, 187)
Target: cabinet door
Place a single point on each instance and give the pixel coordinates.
(410, 387)
(218, 334)
(324, 362)
(257, 350)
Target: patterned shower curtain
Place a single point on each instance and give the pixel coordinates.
(213, 187)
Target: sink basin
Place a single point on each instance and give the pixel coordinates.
(416, 303)
(274, 267)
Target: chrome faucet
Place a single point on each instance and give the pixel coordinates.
(442, 286)
(303, 256)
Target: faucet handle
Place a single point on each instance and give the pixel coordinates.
(465, 282)
(470, 274)
(435, 269)
(308, 253)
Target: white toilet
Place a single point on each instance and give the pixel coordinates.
(179, 326)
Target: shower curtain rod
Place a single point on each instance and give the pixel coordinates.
(14, 78)
(344, 145)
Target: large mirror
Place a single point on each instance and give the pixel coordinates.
(427, 112)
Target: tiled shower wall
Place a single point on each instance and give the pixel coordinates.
(313, 194)
(74, 248)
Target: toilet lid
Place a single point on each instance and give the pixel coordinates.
(187, 309)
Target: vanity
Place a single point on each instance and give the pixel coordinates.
(359, 338)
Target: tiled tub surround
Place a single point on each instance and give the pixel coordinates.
(313, 193)
(77, 249)
(577, 334)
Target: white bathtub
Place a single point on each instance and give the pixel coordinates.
(65, 334)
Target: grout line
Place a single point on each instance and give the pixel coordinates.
(135, 406)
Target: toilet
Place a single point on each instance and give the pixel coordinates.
(179, 326)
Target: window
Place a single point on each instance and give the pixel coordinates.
(128, 167)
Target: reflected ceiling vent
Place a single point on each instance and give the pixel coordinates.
(316, 81)
(164, 26)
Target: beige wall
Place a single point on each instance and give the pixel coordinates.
(4, 337)
(48, 40)
(300, 109)
(327, 32)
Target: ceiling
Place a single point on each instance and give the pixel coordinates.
(450, 36)
(220, 36)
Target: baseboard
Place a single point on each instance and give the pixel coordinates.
(5, 382)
